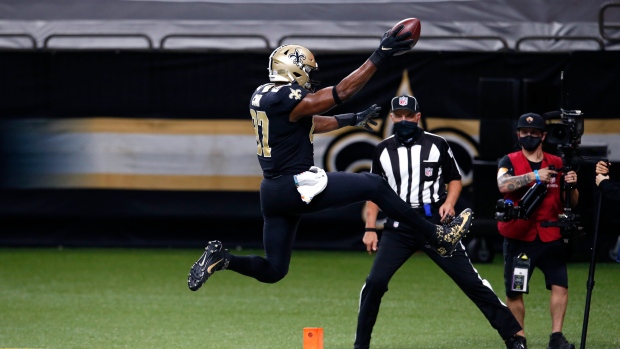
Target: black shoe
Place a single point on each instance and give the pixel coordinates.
(449, 235)
(516, 342)
(558, 341)
(212, 260)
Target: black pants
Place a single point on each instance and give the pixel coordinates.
(394, 249)
(282, 210)
(550, 257)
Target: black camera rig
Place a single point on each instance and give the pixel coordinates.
(566, 135)
(506, 210)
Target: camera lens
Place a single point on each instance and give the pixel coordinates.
(559, 134)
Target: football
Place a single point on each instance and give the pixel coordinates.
(411, 25)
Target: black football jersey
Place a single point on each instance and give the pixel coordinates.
(283, 147)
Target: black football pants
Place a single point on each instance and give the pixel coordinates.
(394, 249)
(282, 209)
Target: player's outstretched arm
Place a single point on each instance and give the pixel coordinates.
(323, 100)
(328, 97)
(324, 124)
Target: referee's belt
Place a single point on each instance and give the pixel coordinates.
(390, 223)
(436, 206)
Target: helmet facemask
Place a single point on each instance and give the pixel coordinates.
(310, 84)
(290, 63)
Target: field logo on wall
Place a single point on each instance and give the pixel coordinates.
(352, 151)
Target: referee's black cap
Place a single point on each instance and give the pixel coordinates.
(405, 102)
(531, 120)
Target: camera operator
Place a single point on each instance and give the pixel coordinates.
(543, 246)
(609, 189)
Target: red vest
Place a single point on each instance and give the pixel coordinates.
(548, 210)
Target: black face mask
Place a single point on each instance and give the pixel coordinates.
(530, 143)
(407, 132)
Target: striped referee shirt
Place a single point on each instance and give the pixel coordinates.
(418, 172)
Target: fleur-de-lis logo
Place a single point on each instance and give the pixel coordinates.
(297, 57)
(295, 94)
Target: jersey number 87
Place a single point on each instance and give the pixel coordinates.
(259, 118)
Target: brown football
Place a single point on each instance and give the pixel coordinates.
(411, 25)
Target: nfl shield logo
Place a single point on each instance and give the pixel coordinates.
(428, 171)
(403, 101)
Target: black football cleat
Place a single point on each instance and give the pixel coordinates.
(516, 342)
(449, 234)
(214, 258)
(558, 341)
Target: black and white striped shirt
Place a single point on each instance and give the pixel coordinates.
(419, 172)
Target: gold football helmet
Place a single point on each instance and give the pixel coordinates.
(290, 63)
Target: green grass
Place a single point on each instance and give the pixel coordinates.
(121, 298)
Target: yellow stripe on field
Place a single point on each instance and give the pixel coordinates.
(151, 126)
(154, 182)
(244, 127)
(156, 126)
(601, 126)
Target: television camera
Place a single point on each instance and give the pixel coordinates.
(566, 135)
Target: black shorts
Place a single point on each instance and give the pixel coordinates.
(550, 257)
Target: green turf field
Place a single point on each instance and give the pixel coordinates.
(120, 298)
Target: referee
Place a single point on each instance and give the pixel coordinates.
(418, 166)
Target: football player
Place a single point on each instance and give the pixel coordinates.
(286, 114)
